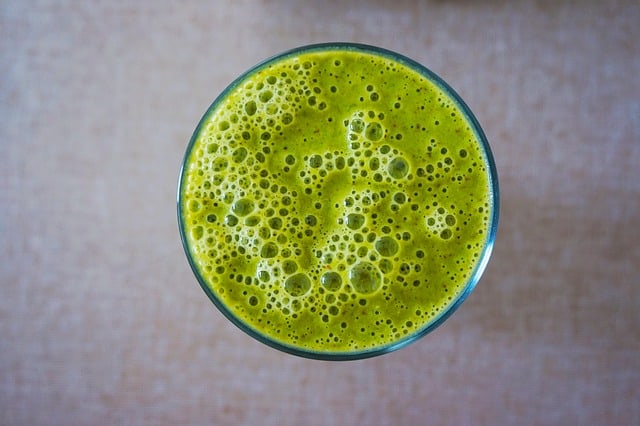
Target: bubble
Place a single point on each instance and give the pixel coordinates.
(230, 220)
(290, 159)
(331, 281)
(374, 132)
(450, 220)
(253, 300)
(211, 218)
(243, 207)
(399, 197)
(250, 108)
(462, 153)
(356, 125)
(386, 266)
(289, 267)
(365, 278)
(386, 246)
(310, 220)
(315, 161)
(265, 96)
(445, 234)
(398, 168)
(197, 232)
(265, 136)
(354, 221)
(297, 285)
(269, 250)
(374, 163)
(275, 223)
(271, 79)
(287, 118)
(224, 125)
(252, 221)
(374, 96)
(264, 276)
(194, 206)
(272, 109)
(239, 154)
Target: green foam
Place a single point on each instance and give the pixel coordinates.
(336, 201)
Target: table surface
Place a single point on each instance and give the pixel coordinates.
(103, 322)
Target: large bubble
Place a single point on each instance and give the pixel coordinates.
(297, 285)
(365, 277)
(332, 281)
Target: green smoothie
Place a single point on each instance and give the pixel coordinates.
(337, 200)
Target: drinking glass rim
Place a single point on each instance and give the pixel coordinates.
(481, 264)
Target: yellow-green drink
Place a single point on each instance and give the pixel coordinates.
(338, 201)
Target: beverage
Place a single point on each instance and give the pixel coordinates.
(338, 201)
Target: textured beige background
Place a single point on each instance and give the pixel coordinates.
(102, 321)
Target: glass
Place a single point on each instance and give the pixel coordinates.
(381, 245)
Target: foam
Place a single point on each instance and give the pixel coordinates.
(356, 216)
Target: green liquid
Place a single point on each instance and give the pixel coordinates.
(336, 201)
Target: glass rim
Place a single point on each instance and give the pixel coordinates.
(474, 277)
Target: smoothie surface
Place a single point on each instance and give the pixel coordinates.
(335, 201)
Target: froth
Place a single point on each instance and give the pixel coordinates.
(304, 205)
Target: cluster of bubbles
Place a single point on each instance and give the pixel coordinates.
(321, 232)
(269, 103)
